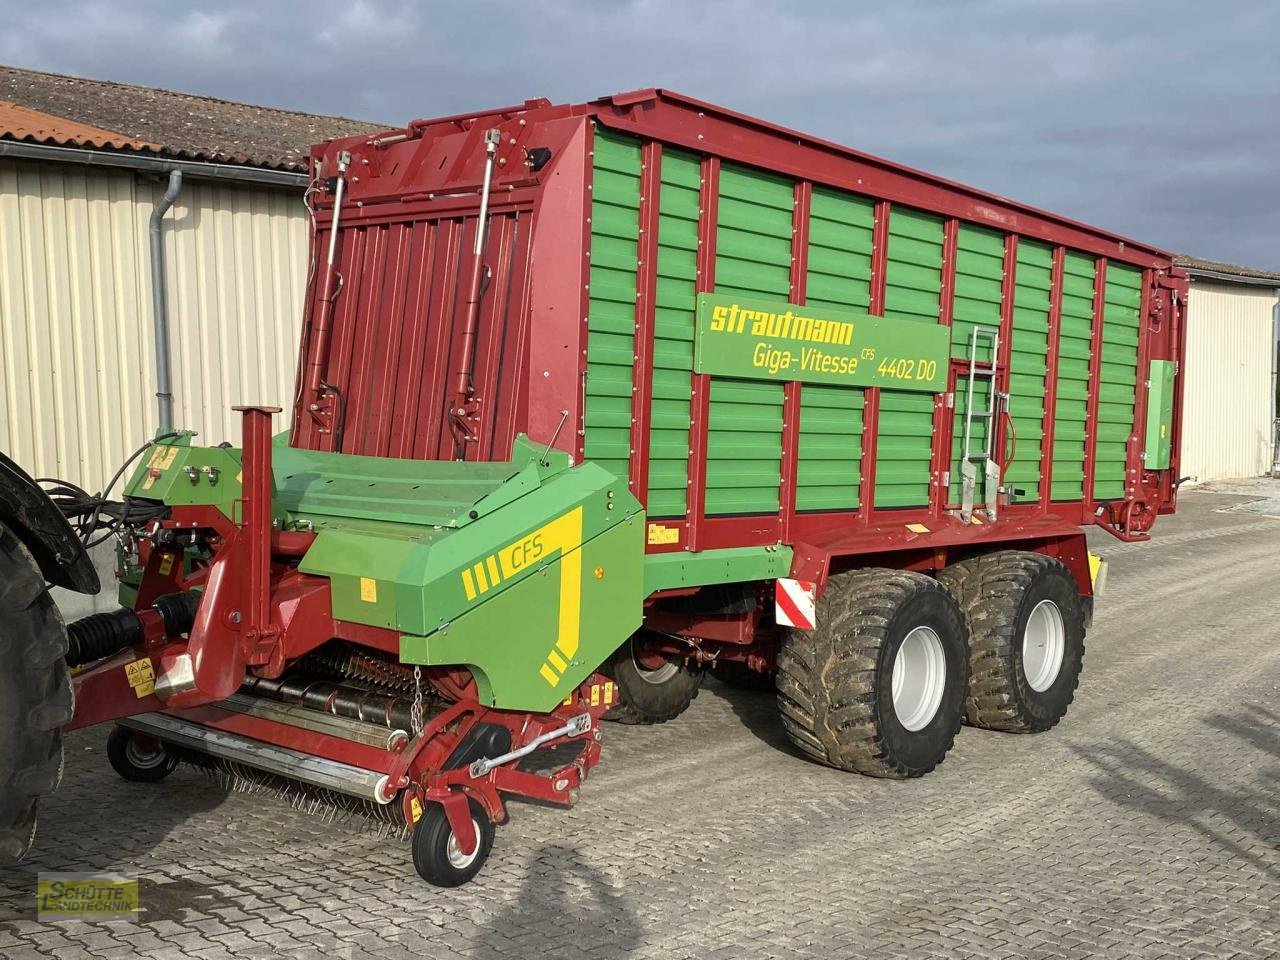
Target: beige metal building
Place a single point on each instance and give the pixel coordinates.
(1229, 404)
(83, 165)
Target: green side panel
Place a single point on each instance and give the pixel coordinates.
(1117, 379)
(673, 335)
(1070, 412)
(668, 571)
(1159, 415)
(913, 290)
(416, 578)
(513, 643)
(978, 298)
(611, 325)
(1033, 280)
(838, 275)
(753, 258)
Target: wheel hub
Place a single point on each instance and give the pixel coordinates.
(919, 678)
(457, 859)
(652, 666)
(1044, 644)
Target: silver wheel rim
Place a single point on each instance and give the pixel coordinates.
(658, 674)
(919, 678)
(142, 759)
(1044, 644)
(457, 859)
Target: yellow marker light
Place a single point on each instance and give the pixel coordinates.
(599, 571)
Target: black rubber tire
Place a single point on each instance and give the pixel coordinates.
(998, 591)
(144, 763)
(431, 838)
(835, 683)
(36, 697)
(737, 674)
(643, 700)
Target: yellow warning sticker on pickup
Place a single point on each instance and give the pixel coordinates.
(917, 528)
(161, 460)
(368, 590)
(141, 676)
(660, 533)
(415, 809)
(166, 564)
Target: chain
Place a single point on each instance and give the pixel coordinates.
(415, 712)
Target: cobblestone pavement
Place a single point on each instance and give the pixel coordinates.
(1147, 824)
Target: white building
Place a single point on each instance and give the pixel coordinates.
(83, 165)
(1229, 400)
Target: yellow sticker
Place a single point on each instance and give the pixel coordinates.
(415, 809)
(660, 533)
(141, 676)
(917, 528)
(975, 519)
(166, 564)
(595, 694)
(608, 693)
(368, 590)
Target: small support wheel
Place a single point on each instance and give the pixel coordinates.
(438, 857)
(139, 758)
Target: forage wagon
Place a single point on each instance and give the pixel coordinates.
(593, 400)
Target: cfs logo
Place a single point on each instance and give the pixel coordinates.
(565, 535)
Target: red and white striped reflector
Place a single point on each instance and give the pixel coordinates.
(793, 603)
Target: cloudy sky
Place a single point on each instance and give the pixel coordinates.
(1160, 120)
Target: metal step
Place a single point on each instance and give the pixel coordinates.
(369, 785)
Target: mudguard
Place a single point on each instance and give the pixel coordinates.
(39, 524)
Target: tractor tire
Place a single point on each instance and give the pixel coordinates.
(1026, 623)
(36, 697)
(878, 688)
(736, 674)
(649, 693)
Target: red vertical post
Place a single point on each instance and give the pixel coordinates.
(708, 206)
(1051, 379)
(646, 290)
(1095, 382)
(255, 528)
(1004, 361)
(944, 416)
(1133, 466)
(792, 390)
(871, 396)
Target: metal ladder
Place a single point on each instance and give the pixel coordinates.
(968, 463)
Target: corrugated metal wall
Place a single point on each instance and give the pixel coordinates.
(1226, 430)
(77, 378)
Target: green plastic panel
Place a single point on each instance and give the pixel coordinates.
(913, 288)
(1070, 412)
(839, 275)
(978, 298)
(1159, 442)
(673, 334)
(1117, 378)
(753, 258)
(615, 231)
(1033, 282)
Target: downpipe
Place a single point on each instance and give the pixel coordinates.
(160, 303)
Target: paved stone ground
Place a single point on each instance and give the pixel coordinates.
(1147, 824)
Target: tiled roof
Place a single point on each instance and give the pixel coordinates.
(1200, 265)
(71, 111)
